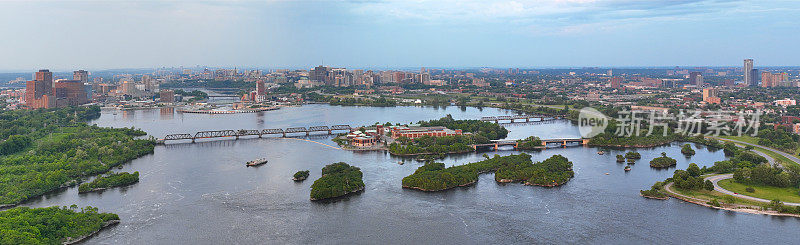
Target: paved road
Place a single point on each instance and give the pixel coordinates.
(717, 178)
(787, 155)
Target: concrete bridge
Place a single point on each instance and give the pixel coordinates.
(496, 144)
(252, 132)
(527, 118)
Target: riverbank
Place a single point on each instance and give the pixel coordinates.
(723, 206)
(107, 224)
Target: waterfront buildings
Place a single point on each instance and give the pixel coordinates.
(416, 132)
(43, 93)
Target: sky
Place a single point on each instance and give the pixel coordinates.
(70, 35)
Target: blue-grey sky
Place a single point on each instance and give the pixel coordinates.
(68, 35)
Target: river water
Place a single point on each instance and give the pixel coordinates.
(203, 194)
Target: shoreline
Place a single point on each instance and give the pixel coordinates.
(731, 207)
(80, 239)
(344, 195)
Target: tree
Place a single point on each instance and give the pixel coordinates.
(693, 170)
(709, 186)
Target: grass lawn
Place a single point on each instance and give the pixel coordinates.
(709, 195)
(753, 140)
(789, 194)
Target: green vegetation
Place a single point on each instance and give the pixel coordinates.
(779, 138)
(379, 102)
(529, 143)
(488, 130)
(481, 133)
(687, 150)
(338, 179)
(432, 145)
(633, 155)
(655, 191)
(764, 174)
(109, 181)
(663, 161)
(196, 94)
(554, 171)
(62, 150)
(301, 175)
(620, 158)
(777, 205)
(789, 194)
(53, 225)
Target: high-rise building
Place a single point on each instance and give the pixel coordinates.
(167, 96)
(616, 82)
(261, 88)
(46, 77)
(81, 75)
(748, 76)
(755, 77)
(710, 96)
(696, 78)
(73, 91)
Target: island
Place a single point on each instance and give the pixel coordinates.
(300, 175)
(48, 149)
(443, 136)
(530, 143)
(687, 150)
(663, 161)
(432, 176)
(52, 225)
(338, 179)
(109, 181)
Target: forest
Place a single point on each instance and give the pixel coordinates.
(52, 225)
(338, 179)
(663, 161)
(110, 181)
(59, 149)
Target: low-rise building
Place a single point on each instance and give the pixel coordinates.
(416, 132)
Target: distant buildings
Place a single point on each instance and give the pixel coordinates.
(710, 95)
(696, 78)
(748, 73)
(616, 82)
(80, 75)
(785, 102)
(167, 96)
(769, 80)
(43, 93)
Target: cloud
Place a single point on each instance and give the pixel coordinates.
(555, 16)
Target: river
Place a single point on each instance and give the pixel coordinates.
(203, 194)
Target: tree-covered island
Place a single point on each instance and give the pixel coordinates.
(49, 149)
(554, 171)
(475, 132)
(109, 181)
(338, 179)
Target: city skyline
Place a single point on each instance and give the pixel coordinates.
(392, 34)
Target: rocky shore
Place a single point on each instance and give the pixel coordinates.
(76, 240)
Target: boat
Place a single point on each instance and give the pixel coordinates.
(256, 162)
(607, 173)
(401, 163)
(601, 152)
(627, 168)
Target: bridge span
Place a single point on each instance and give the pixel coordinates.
(496, 144)
(251, 132)
(527, 118)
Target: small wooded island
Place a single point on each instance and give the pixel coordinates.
(109, 181)
(337, 180)
(300, 175)
(663, 161)
(554, 171)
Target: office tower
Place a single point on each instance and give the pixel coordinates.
(261, 88)
(72, 91)
(755, 77)
(710, 96)
(696, 78)
(167, 96)
(46, 77)
(616, 82)
(80, 75)
(748, 75)
(610, 73)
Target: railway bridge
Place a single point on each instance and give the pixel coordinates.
(229, 133)
(527, 118)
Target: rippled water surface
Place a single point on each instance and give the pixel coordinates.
(203, 194)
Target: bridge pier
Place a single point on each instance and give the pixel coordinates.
(192, 140)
